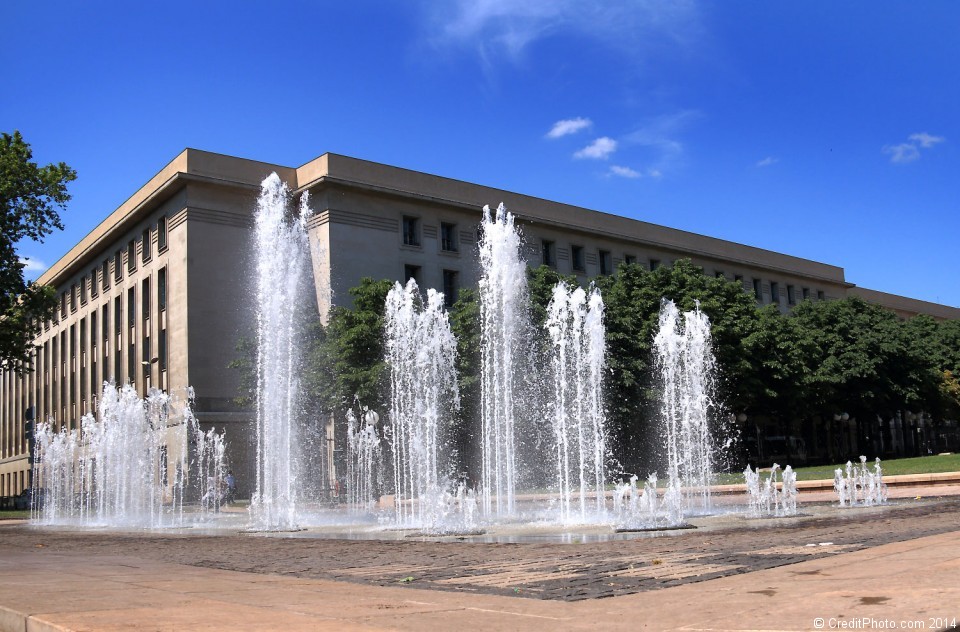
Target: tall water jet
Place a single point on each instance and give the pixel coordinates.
(503, 294)
(575, 324)
(365, 466)
(687, 368)
(766, 497)
(282, 271)
(421, 352)
(131, 465)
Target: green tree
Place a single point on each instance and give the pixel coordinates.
(29, 198)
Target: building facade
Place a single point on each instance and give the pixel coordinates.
(157, 295)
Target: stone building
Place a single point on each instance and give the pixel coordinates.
(157, 294)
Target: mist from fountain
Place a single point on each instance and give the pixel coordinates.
(503, 298)
(687, 370)
(128, 466)
(421, 354)
(282, 272)
(575, 324)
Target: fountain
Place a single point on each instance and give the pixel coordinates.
(421, 353)
(858, 486)
(687, 367)
(128, 466)
(766, 498)
(575, 325)
(503, 292)
(365, 467)
(282, 273)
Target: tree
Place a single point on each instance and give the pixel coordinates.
(29, 198)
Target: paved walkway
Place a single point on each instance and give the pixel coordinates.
(873, 573)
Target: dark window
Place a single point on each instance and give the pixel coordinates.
(774, 292)
(63, 305)
(758, 289)
(606, 262)
(162, 350)
(450, 287)
(161, 234)
(791, 295)
(145, 246)
(411, 272)
(131, 256)
(145, 363)
(719, 274)
(820, 295)
(132, 361)
(162, 289)
(105, 272)
(805, 293)
(131, 307)
(411, 231)
(83, 291)
(94, 286)
(117, 316)
(549, 250)
(117, 265)
(576, 253)
(145, 297)
(738, 278)
(654, 264)
(629, 259)
(73, 298)
(448, 237)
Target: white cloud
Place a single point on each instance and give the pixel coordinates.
(926, 140)
(31, 264)
(624, 172)
(506, 28)
(660, 135)
(654, 173)
(766, 162)
(568, 126)
(910, 151)
(600, 149)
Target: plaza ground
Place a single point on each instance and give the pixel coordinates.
(858, 568)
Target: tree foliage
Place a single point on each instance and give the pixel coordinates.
(30, 197)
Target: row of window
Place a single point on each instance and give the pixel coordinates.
(451, 282)
(65, 358)
(449, 241)
(99, 277)
(805, 293)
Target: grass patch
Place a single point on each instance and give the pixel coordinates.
(894, 467)
(15, 514)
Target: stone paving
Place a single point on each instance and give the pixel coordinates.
(546, 571)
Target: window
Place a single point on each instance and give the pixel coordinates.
(719, 274)
(774, 292)
(162, 350)
(105, 275)
(63, 305)
(411, 272)
(654, 264)
(758, 289)
(83, 291)
(145, 246)
(73, 298)
(161, 234)
(738, 278)
(629, 259)
(132, 307)
(805, 293)
(162, 290)
(820, 295)
(577, 255)
(448, 237)
(549, 253)
(94, 285)
(791, 295)
(145, 298)
(450, 287)
(606, 262)
(132, 256)
(411, 231)
(117, 266)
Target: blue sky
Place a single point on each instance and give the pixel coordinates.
(819, 129)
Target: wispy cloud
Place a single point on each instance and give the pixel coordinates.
(661, 136)
(599, 149)
(568, 126)
(624, 172)
(909, 151)
(766, 162)
(506, 28)
(31, 264)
